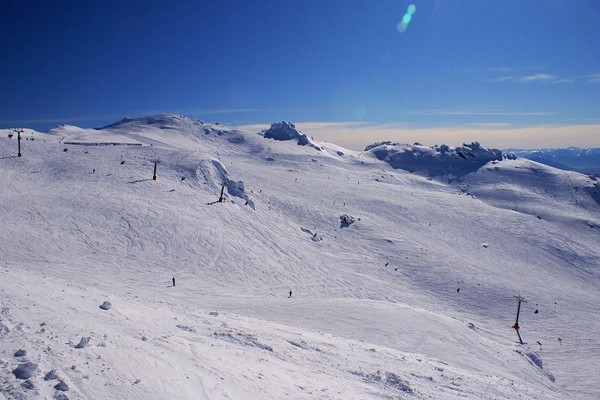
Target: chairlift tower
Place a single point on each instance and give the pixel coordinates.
(516, 326)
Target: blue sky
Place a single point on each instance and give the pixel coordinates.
(472, 65)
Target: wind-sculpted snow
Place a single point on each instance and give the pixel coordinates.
(215, 175)
(437, 161)
(287, 131)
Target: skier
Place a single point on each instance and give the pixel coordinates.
(290, 296)
(173, 281)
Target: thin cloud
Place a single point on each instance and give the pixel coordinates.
(544, 78)
(537, 78)
(479, 112)
(313, 126)
(494, 70)
(500, 69)
(356, 136)
(500, 78)
(521, 75)
(594, 78)
(252, 127)
(490, 125)
(563, 80)
(223, 111)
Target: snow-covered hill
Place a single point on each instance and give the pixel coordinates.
(438, 161)
(414, 299)
(586, 161)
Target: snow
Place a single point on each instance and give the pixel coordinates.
(287, 131)
(20, 353)
(25, 370)
(435, 161)
(376, 311)
(61, 386)
(570, 159)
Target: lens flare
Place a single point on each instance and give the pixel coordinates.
(406, 18)
(401, 27)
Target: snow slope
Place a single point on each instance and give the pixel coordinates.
(571, 158)
(375, 311)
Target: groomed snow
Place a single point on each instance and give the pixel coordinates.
(414, 299)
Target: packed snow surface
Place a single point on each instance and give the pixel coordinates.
(323, 274)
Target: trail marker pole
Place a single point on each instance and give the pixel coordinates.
(156, 162)
(19, 131)
(221, 198)
(516, 324)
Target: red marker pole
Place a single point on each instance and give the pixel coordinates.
(516, 326)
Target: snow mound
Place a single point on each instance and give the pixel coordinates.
(388, 379)
(20, 353)
(25, 370)
(346, 220)
(435, 161)
(83, 343)
(535, 360)
(51, 375)
(287, 131)
(4, 329)
(61, 386)
(242, 339)
(215, 174)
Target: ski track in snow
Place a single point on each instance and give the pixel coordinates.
(375, 311)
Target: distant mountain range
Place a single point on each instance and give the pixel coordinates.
(570, 159)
